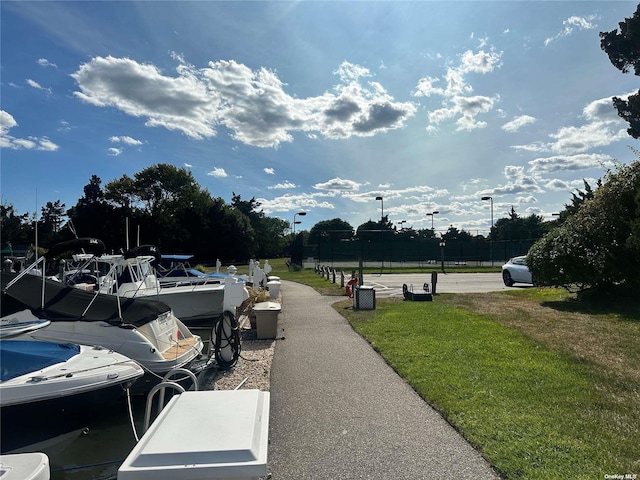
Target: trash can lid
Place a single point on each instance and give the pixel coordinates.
(267, 306)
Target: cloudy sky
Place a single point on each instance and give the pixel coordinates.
(316, 106)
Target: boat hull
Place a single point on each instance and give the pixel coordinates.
(190, 303)
(47, 390)
(26, 424)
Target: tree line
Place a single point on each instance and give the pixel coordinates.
(161, 205)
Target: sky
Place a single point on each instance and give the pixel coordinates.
(317, 106)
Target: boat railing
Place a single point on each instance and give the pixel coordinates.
(161, 389)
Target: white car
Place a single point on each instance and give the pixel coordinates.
(516, 270)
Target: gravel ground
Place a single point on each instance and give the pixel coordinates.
(253, 369)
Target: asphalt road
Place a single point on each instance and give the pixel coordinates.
(389, 285)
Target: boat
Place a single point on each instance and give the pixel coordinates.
(132, 275)
(174, 270)
(143, 329)
(50, 389)
(20, 323)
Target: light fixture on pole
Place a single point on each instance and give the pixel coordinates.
(302, 214)
(381, 209)
(491, 232)
(431, 215)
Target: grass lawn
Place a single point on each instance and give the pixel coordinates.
(539, 398)
(544, 386)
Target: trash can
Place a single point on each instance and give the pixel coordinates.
(364, 298)
(266, 319)
(274, 288)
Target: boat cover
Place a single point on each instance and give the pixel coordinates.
(20, 357)
(63, 303)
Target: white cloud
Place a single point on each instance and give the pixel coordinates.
(557, 185)
(218, 173)
(7, 122)
(582, 23)
(581, 139)
(517, 123)
(44, 144)
(480, 62)
(572, 140)
(114, 152)
(64, 126)
(43, 62)
(252, 105)
(516, 183)
(570, 162)
(288, 203)
(269, 171)
(456, 93)
(37, 86)
(125, 139)
(282, 186)
(338, 184)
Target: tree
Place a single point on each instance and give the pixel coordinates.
(333, 230)
(514, 227)
(273, 231)
(15, 229)
(599, 245)
(50, 223)
(92, 192)
(577, 199)
(94, 216)
(623, 50)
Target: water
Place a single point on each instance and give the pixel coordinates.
(98, 453)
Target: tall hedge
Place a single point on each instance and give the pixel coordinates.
(599, 245)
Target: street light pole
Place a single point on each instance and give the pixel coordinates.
(302, 214)
(491, 231)
(379, 197)
(431, 215)
(381, 209)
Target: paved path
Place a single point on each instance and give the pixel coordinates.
(338, 411)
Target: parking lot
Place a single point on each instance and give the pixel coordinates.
(390, 285)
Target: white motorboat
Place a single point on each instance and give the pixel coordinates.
(50, 389)
(133, 275)
(143, 329)
(175, 270)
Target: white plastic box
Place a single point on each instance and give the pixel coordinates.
(267, 319)
(25, 466)
(204, 435)
(274, 288)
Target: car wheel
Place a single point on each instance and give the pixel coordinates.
(506, 277)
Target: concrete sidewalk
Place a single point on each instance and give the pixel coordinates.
(338, 411)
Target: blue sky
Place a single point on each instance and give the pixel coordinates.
(316, 106)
